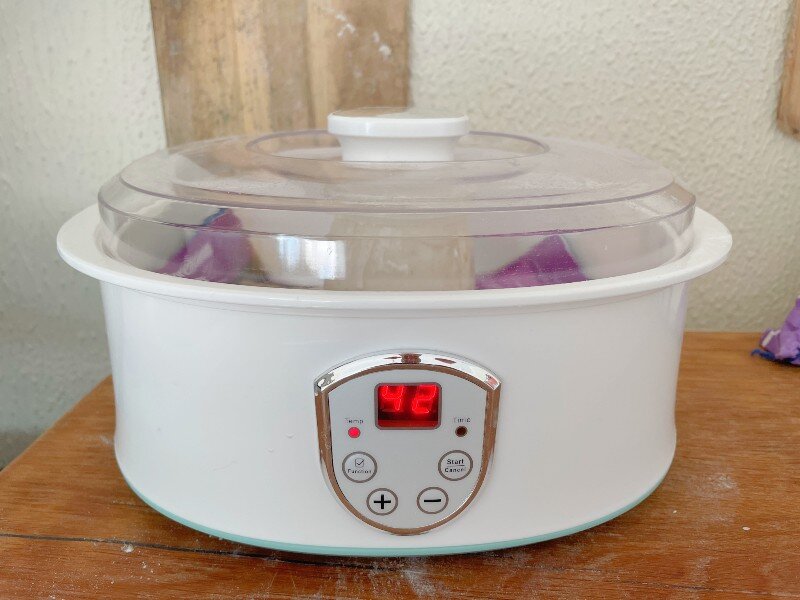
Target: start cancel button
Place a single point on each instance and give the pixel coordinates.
(455, 465)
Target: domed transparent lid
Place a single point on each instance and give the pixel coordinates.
(392, 199)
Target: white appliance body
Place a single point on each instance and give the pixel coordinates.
(215, 401)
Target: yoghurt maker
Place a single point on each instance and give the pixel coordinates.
(394, 337)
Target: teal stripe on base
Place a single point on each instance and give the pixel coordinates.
(344, 551)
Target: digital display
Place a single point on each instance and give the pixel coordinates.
(408, 405)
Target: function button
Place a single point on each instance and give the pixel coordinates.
(455, 465)
(432, 500)
(382, 501)
(359, 467)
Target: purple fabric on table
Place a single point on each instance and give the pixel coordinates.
(218, 252)
(548, 262)
(783, 345)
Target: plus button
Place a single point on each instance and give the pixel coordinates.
(382, 501)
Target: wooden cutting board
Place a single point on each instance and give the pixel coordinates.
(245, 66)
(789, 104)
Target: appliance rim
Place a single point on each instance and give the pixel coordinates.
(79, 246)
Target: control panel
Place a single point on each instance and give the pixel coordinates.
(406, 437)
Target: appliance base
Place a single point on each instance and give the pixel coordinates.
(395, 552)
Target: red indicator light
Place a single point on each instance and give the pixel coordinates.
(354, 432)
(408, 406)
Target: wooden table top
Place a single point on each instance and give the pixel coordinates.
(724, 524)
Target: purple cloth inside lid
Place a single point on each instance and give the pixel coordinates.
(548, 262)
(218, 252)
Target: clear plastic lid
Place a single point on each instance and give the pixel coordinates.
(395, 200)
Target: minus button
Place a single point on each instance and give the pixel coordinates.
(432, 500)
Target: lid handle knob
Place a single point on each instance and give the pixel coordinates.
(397, 134)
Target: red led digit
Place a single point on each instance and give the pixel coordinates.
(424, 397)
(408, 406)
(391, 397)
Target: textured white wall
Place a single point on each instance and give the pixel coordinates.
(693, 85)
(79, 99)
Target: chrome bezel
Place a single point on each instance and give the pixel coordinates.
(427, 361)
